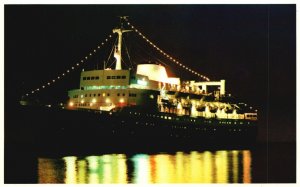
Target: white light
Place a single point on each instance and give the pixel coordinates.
(68, 71)
(81, 96)
(142, 82)
(58, 77)
(77, 64)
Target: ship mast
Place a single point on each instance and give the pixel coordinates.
(118, 49)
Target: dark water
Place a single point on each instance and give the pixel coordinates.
(218, 166)
(193, 167)
(265, 163)
(260, 163)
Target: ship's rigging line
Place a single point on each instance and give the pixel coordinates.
(129, 58)
(164, 53)
(112, 49)
(68, 71)
(148, 53)
(109, 57)
(49, 83)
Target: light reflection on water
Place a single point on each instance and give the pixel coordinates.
(224, 166)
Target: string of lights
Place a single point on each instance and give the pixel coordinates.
(68, 71)
(164, 53)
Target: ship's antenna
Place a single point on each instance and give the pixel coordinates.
(118, 49)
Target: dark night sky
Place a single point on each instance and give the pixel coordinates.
(253, 47)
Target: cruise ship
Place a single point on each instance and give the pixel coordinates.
(144, 101)
(139, 106)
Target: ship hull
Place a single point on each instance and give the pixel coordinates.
(60, 130)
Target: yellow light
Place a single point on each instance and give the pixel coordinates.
(121, 100)
(94, 100)
(82, 101)
(107, 100)
(70, 163)
(71, 104)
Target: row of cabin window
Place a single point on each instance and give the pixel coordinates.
(116, 77)
(118, 94)
(90, 78)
